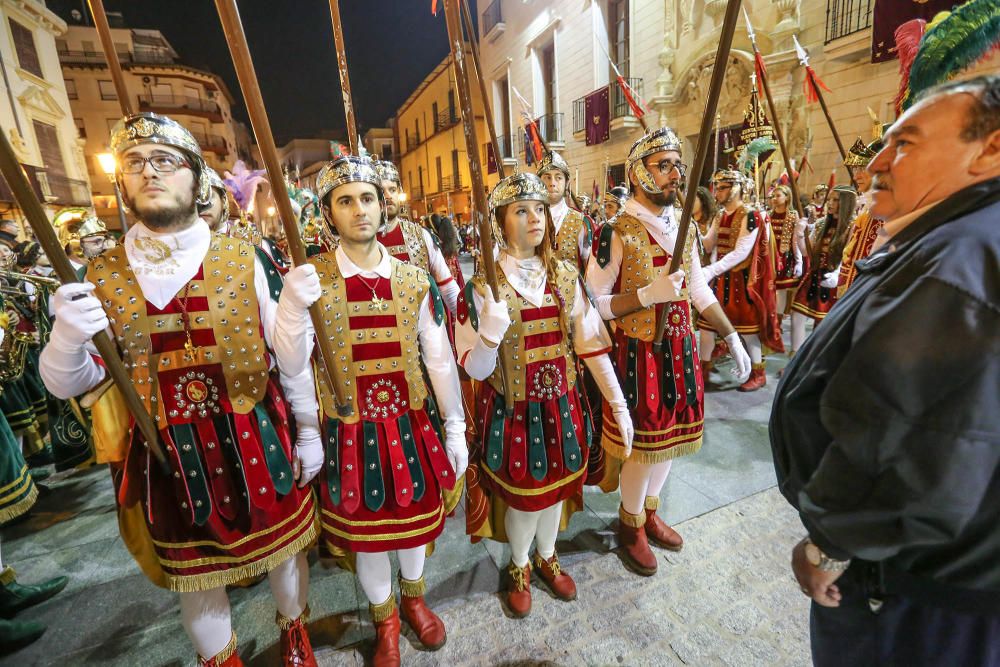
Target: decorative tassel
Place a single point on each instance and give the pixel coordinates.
(627, 91)
(812, 85)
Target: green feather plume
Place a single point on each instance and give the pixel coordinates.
(954, 43)
(750, 153)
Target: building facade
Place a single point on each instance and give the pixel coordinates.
(556, 54)
(34, 109)
(433, 163)
(156, 82)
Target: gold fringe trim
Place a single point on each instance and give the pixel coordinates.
(384, 610)
(7, 576)
(631, 520)
(412, 589)
(204, 582)
(21, 506)
(223, 655)
(285, 623)
(652, 503)
(639, 456)
(759, 367)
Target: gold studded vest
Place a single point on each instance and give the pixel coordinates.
(643, 259)
(730, 227)
(228, 371)
(568, 238)
(376, 345)
(540, 364)
(406, 243)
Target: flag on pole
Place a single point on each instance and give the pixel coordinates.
(597, 111)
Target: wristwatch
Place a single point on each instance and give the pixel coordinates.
(821, 561)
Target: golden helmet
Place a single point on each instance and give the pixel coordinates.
(75, 223)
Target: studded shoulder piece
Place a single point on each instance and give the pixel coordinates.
(603, 250)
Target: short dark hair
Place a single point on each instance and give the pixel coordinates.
(984, 115)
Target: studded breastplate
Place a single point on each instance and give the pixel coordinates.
(406, 243)
(227, 370)
(568, 237)
(729, 233)
(372, 325)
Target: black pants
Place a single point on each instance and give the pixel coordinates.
(903, 632)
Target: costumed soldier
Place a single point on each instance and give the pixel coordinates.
(385, 467)
(17, 495)
(409, 242)
(787, 259)
(821, 243)
(664, 391)
(614, 199)
(531, 461)
(192, 314)
(742, 278)
(574, 229)
(865, 228)
(216, 212)
(817, 203)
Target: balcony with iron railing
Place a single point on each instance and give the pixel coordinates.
(417, 192)
(492, 21)
(617, 103)
(451, 183)
(507, 144)
(180, 104)
(446, 119)
(847, 17)
(62, 190)
(412, 142)
(211, 142)
(139, 57)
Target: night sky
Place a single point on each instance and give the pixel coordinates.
(391, 46)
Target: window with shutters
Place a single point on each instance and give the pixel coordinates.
(107, 90)
(81, 129)
(52, 161)
(70, 89)
(437, 164)
(24, 46)
(456, 178)
(618, 32)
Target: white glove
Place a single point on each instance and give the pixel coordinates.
(79, 316)
(494, 319)
(308, 451)
(458, 452)
(830, 280)
(740, 356)
(797, 271)
(301, 289)
(624, 422)
(663, 289)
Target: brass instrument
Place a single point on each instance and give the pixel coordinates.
(48, 284)
(13, 353)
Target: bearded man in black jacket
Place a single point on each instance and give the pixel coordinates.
(886, 426)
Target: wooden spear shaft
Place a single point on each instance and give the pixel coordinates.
(474, 42)
(240, 52)
(829, 121)
(704, 141)
(111, 55)
(46, 236)
(452, 20)
(345, 79)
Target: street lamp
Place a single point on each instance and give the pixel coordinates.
(108, 164)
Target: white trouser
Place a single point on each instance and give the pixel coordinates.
(375, 571)
(542, 526)
(799, 321)
(706, 342)
(640, 480)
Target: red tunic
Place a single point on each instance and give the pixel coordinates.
(812, 298)
(731, 288)
(783, 227)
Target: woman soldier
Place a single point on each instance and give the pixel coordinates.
(532, 456)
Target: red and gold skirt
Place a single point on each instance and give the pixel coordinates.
(813, 299)
(731, 291)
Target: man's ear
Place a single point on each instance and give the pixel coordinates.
(987, 162)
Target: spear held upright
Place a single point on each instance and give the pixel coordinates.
(704, 141)
(111, 55)
(240, 52)
(345, 79)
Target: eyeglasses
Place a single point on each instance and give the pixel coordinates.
(667, 166)
(163, 164)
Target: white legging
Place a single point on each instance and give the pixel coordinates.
(375, 571)
(207, 618)
(640, 480)
(706, 341)
(542, 526)
(799, 322)
(783, 297)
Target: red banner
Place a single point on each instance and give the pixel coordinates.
(890, 14)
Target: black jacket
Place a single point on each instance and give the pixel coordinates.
(886, 426)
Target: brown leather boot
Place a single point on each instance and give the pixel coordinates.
(385, 617)
(428, 627)
(560, 583)
(296, 650)
(706, 370)
(519, 590)
(227, 657)
(635, 547)
(658, 532)
(757, 379)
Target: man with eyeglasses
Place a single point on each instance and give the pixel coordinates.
(192, 315)
(663, 388)
(742, 277)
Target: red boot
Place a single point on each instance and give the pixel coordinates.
(635, 547)
(385, 616)
(720, 350)
(758, 378)
(428, 627)
(227, 657)
(519, 590)
(296, 651)
(560, 583)
(658, 532)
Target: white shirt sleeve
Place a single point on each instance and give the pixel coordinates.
(435, 349)
(738, 255)
(440, 272)
(585, 248)
(602, 280)
(590, 335)
(300, 392)
(476, 357)
(268, 306)
(701, 294)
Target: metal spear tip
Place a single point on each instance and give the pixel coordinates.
(800, 52)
